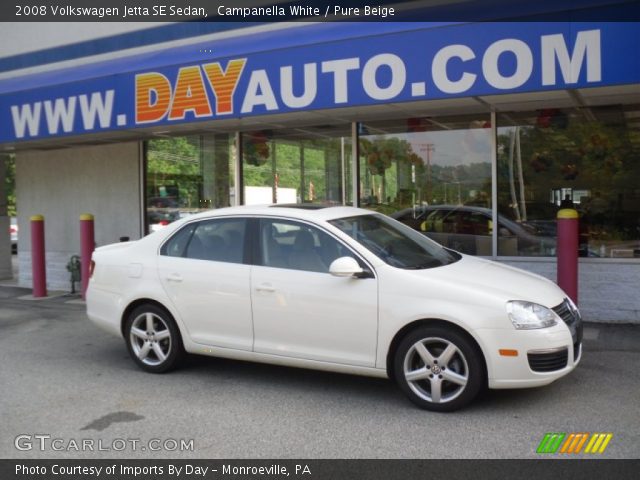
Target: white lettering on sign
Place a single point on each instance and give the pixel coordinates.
(524, 64)
(61, 111)
(26, 116)
(213, 89)
(340, 68)
(586, 49)
(309, 91)
(96, 107)
(259, 92)
(439, 69)
(60, 114)
(398, 76)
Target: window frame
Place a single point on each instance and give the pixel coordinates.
(256, 240)
(246, 250)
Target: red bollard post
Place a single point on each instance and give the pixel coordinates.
(38, 265)
(87, 245)
(567, 252)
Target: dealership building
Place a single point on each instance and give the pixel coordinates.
(474, 133)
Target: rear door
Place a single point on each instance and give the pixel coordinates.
(202, 268)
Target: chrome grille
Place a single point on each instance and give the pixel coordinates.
(572, 318)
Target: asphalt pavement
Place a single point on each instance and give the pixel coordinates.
(64, 382)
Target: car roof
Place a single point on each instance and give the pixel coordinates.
(311, 212)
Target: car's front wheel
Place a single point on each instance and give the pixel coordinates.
(438, 368)
(153, 339)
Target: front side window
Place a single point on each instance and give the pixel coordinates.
(297, 246)
(395, 244)
(220, 240)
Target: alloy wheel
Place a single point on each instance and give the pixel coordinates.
(150, 339)
(436, 370)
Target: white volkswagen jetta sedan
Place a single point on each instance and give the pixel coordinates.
(335, 288)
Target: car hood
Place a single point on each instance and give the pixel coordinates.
(485, 277)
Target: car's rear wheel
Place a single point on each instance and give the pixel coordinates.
(153, 339)
(439, 368)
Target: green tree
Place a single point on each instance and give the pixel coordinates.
(174, 163)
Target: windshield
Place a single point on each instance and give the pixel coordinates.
(395, 243)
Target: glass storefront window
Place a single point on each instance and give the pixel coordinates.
(433, 174)
(297, 165)
(587, 159)
(186, 175)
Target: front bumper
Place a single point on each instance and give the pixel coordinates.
(517, 371)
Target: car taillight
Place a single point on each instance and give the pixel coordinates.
(13, 229)
(92, 266)
(163, 223)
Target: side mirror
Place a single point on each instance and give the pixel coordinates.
(345, 267)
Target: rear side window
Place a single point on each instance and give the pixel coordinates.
(177, 245)
(219, 240)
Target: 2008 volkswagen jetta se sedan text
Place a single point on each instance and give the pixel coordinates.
(333, 288)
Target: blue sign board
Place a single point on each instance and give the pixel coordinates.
(415, 63)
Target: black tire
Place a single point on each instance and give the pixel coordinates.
(157, 347)
(439, 387)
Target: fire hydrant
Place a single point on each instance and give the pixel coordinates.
(73, 267)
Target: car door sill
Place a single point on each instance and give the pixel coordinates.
(234, 354)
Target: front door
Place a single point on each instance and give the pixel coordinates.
(301, 310)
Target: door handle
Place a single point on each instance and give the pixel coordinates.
(174, 277)
(265, 287)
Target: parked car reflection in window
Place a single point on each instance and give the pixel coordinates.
(468, 229)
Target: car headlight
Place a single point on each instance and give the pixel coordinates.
(528, 315)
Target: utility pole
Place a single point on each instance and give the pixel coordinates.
(428, 148)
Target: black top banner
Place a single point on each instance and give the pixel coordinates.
(318, 469)
(316, 10)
